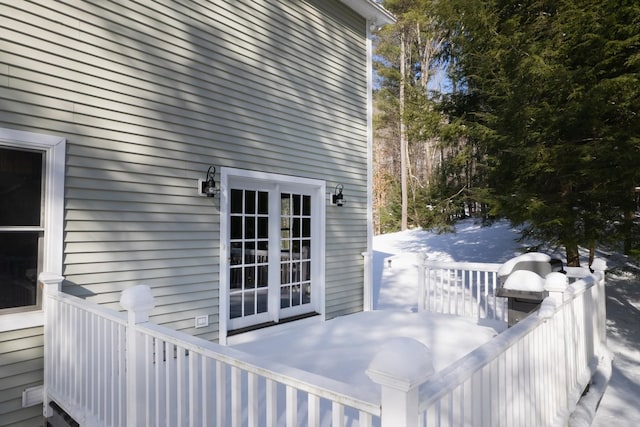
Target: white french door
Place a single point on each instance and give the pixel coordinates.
(274, 241)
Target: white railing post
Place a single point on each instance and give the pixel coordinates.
(600, 267)
(422, 291)
(399, 368)
(368, 281)
(556, 284)
(138, 301)
(51, 285)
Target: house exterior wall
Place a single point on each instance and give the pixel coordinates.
(149, 98)
(21, 366)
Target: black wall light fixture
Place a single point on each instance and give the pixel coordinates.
(208, 185)
(337, 198)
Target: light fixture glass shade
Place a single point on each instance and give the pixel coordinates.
(209, 184)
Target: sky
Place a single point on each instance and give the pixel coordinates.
(342, 348)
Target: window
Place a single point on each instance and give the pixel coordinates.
(21, 227)
(31, 222)
(273, 229)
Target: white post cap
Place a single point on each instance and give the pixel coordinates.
(138, 301)
(556, 282)
(402, 364)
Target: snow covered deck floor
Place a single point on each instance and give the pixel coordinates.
(342, 348)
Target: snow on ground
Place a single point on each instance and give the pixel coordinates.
(343, 347)
(620, 405)
(393, 272)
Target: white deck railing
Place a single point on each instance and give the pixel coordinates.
(461, 288)
(467, 289)
(105, 369)
(534, 373)
(110, 369)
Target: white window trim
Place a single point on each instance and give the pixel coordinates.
(54, 147)
(227, 174)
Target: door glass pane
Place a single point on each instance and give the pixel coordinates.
(250, 202)
(235, 309)
(236, 227)
(235, 278)
(306, 293)
(295, 295)
(295, 229)
(20, 187)
(306, 227)
(285, 297)
(305, 271)
(236, 253)
(285, 204)
(306, 205)
(263, 203)
(249, 252)
(249, 227)
(296, 204)
(236, 201)
(249, 277)
(263, 276)
(263, 227)
(261, 302)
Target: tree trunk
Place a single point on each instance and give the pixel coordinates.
(592, 254)
(403, 136)
(573, 256)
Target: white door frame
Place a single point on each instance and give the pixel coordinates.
(317, 189)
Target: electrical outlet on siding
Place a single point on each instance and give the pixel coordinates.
(202, 321)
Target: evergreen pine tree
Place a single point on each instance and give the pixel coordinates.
(552, 89)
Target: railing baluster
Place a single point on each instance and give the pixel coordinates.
(113, 377)
(208, 399)
(365, 419)
(291, 407)
(236, 397)
(478, 300)
(221, 394)
(170, 385)
(486, 294)
(252, 399)
(337, 414)
(161, 381)
(194, 395)
(181, 389)
(272, 403)
(455, 292)
(313, 405)
(464, 293)
(149, 390)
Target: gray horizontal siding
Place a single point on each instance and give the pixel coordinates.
(21, 366)
(148, 98)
